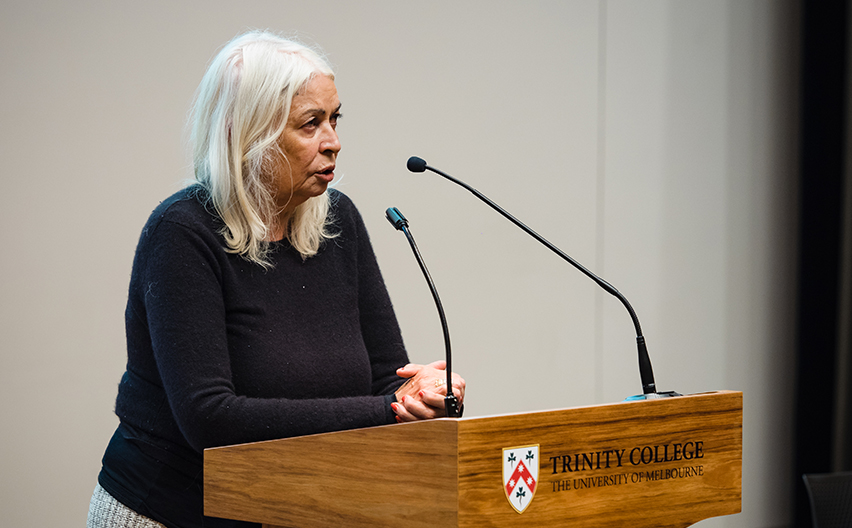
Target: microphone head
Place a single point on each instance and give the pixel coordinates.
(416, 164)
(395, 218)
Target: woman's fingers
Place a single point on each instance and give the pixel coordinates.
(421, 397)
(434, 400)
(410, 409)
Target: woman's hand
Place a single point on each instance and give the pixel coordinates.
(422, 396)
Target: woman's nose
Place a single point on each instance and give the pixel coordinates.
(330, 141)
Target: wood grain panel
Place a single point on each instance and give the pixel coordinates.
(396, 475)
(630, 499)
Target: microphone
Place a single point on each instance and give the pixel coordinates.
(416, 164)
(451, 403)
(646, 372)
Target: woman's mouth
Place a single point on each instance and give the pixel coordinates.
(327, 174)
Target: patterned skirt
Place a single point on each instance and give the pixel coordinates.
(106, 512)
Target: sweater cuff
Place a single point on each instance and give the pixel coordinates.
(390, 416)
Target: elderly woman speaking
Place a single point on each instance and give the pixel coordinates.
(256, 307)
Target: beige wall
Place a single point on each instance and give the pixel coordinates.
(654, 141)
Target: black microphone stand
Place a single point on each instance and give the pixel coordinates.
(646, 372)
(451, 403)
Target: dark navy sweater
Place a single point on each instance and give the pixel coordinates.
(222, 351)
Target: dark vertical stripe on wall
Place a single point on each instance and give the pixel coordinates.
(821, 212)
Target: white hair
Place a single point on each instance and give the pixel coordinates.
(239, 114)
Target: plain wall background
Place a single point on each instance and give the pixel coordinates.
(654, 141)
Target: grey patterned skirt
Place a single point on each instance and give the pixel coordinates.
(106, 512)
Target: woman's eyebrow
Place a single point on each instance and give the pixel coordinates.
(321, 111)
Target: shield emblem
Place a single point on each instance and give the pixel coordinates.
(520, 475)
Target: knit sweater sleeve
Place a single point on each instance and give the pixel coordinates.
(182, 301)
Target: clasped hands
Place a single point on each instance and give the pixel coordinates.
(422, 396)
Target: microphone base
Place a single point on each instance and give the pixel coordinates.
(653, 396)
(451, 404)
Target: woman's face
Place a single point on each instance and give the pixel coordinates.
(309, 143)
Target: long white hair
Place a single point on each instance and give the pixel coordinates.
(240, 111)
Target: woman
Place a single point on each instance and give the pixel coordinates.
(256, 308)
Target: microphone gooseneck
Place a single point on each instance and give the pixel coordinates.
(646, 372)
(396, 219)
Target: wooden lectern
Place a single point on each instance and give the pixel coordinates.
(656, 463)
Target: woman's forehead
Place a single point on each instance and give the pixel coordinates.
(319, 93)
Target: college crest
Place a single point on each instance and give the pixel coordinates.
(520, 475)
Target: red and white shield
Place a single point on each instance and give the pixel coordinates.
(520, 475)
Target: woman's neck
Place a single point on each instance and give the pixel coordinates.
(278, 230)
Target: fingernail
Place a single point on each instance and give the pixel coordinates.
(403, 399)
(398, 419)
(420, 393)
(395, 407)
